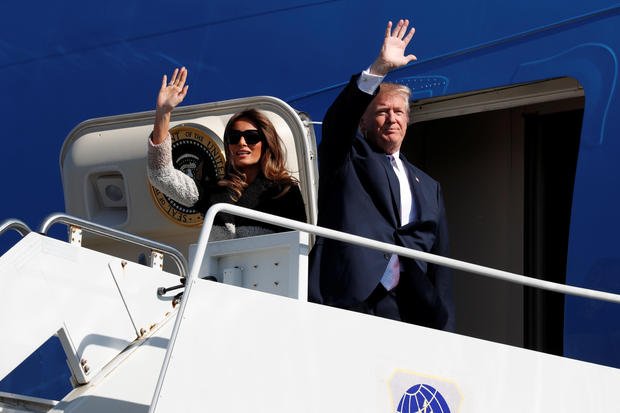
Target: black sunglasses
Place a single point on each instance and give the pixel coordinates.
(251, 136)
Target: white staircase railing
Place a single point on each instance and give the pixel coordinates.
(389, 248)
(80, 224)
(15, 225)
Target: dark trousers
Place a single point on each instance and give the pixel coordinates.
(381, 303)
(402, 304)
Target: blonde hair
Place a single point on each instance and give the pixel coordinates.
(390, 88)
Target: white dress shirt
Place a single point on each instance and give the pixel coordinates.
(369, 83)
(391, 276)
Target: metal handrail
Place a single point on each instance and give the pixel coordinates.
(389, 248)
(115, 234)
(16, 225)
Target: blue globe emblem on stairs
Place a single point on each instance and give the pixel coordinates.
(422, 398)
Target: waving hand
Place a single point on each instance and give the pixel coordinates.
(173, 93)
(392, 54)
(170, 95)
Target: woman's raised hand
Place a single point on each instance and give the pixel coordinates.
(172, 93)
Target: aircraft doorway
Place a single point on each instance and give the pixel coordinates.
(507, 177)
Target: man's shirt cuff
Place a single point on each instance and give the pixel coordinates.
(368, 82)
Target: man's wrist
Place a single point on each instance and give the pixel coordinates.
(378, 69)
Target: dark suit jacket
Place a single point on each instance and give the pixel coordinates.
(359, 194)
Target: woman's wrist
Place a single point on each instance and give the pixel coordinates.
(162, 112)
(161, 127)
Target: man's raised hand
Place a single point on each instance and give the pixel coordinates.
(392, 54)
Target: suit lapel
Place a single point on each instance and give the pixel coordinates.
(420, 201)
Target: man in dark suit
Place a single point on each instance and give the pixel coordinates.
(369, 189)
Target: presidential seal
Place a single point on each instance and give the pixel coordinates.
(199, 154)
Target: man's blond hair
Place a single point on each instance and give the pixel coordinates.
(390, 88)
